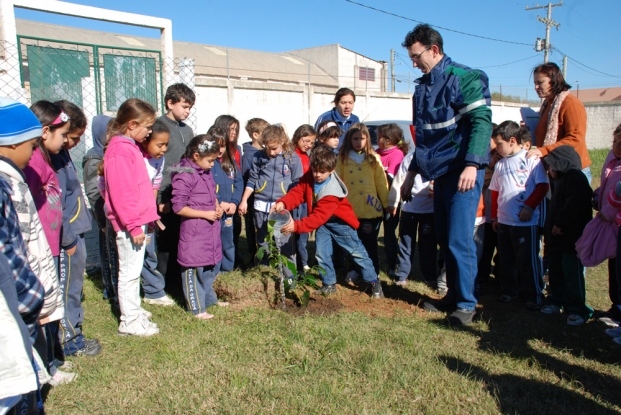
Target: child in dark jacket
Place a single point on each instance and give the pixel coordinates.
(76, 222)
(331, 215)
(194, 199)
(568, 214)
(229, 188)
(254, 127)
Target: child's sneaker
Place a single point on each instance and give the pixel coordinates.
(164, 301)
(306, 268)
(401, 283)
(90, 348)
(61, 377)
(204, 316)
(140, 327)
(551, 309)
(613, 332)
(352, 278)
(64, 365)
(377, 290)
(327, 289)
(575, 320)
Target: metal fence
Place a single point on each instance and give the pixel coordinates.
(94, 77)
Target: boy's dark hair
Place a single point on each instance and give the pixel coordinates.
(342, 92)
(323, 159)
(256, 125)
(158, 128)
(177, 92)
(524, 136)
(77, 119)
(552, 71)
(425, 35)
(506, 130)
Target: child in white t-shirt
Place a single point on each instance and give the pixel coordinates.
(518, 186)
(416, 220)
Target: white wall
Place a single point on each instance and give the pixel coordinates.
(602, 119)
(349, 75)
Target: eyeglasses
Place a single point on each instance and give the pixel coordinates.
(415, 58)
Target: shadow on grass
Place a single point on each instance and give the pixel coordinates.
(512, 330)
(516, 394)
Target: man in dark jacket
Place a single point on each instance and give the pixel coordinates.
(453, 123)
(569, 212)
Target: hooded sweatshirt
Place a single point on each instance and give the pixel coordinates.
(570, 207)
(330, 201)
(272, 177)
(77, 218)
(249, 151)
(180, 136)
(90, 167)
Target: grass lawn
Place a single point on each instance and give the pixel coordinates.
(347, 355)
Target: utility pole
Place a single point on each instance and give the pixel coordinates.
(565, 67)
(549, 23)
(392, 70)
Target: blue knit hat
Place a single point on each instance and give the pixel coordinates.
(17, 123)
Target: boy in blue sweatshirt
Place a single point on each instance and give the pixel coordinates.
(254, 127)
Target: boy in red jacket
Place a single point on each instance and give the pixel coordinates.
(331, 215)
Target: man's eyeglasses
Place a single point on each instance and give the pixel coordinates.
(415, 58)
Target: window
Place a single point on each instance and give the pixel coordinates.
(129, 77)
(56, 74)
(367, 74)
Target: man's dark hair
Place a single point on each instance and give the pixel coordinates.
(177, 92)
(506, 130)
(158, 127)
(425, 35)
(552, 71)
(323, 159)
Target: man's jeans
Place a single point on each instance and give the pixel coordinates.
(347, 238)
(455, 214)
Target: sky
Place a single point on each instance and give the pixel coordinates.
(588, 32)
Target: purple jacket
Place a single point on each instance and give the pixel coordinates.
(199, 239)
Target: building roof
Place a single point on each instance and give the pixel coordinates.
(209, 60)
(597, 94)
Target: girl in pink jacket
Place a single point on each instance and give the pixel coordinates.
(130, 207)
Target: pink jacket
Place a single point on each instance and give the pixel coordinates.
(129, 198)
(43, 184)
(611, 174)
(391, 160)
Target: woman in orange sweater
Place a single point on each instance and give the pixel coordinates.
(562, 118)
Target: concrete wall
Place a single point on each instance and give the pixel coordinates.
(349, 71)
(602, 119)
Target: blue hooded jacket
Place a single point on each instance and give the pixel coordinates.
(452, 118)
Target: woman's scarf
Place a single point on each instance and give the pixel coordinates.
(552, 130)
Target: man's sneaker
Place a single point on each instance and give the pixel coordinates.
(91, 348)
(575, 320)
(164, 301)
(613, 332)
(402, 283)
(377, 290)
(551, 309)
(327, 289)
(140, 327)
(61, 377)
(461, 317)
(439, 306)
(352, 278)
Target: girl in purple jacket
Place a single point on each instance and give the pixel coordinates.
(194, 199)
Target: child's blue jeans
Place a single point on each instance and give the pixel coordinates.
(347, 238)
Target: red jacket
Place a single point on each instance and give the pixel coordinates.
(331, 201)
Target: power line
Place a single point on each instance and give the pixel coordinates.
(439, 27)
(580, 63)
(505, 64)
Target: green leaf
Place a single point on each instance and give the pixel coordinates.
(290, 265)
(260, 253)
(305, 298)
